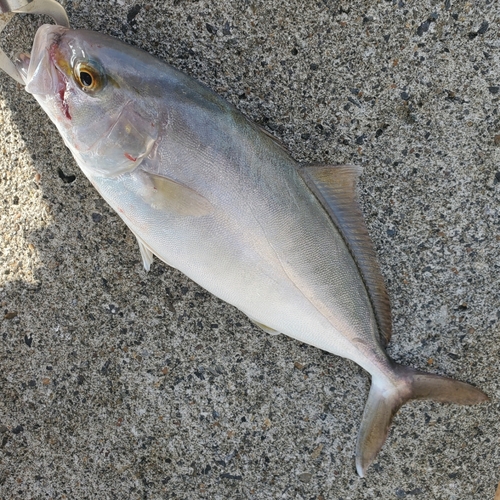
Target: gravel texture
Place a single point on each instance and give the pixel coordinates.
(119, 384)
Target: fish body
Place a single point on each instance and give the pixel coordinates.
(211, 194)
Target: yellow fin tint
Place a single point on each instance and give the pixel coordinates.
(267, 329)
(166, 194)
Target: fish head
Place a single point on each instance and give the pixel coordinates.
(92, 92)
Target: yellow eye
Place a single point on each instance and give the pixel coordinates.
(88, 77)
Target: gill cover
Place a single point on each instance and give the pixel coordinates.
(126, 144)
(92, 101)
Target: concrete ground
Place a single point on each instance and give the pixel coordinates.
(119, 384)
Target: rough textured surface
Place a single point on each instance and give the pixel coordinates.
(119, 384)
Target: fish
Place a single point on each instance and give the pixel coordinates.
(214, 195)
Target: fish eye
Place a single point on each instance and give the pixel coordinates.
(86, 79)
(88, 76)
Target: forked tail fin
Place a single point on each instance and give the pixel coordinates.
(384, 401)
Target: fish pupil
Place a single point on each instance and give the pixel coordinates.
(86, 78)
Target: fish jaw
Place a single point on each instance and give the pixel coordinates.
(43, 75)
(47, 73)
(46, 76)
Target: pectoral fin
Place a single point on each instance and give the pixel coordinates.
(163, 193)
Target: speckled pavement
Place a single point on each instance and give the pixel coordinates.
(119, 384)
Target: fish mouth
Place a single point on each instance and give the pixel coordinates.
(40, 72)
(46, 71)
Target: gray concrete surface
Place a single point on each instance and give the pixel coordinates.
(115, 383)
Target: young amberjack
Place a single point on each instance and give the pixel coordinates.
(210, 193)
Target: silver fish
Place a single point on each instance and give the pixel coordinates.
(210, 193)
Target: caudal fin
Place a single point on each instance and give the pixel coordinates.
(384, 402)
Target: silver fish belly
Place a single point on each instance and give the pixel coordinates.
(213, 195)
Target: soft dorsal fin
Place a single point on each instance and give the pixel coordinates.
(335, 188)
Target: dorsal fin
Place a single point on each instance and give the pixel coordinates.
(335, 188)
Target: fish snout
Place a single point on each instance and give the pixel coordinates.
(44, 73)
